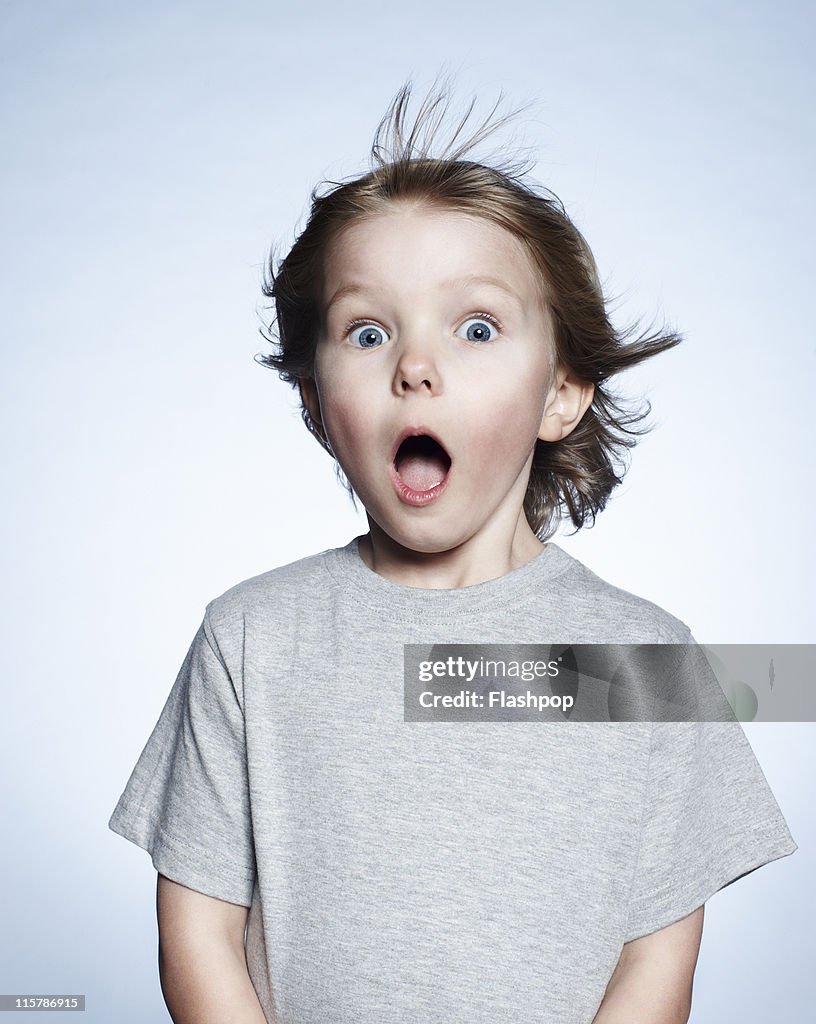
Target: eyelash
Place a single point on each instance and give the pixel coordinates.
(473, 316)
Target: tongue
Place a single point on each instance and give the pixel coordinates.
(422, 472)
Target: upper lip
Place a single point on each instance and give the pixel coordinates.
(416, 431)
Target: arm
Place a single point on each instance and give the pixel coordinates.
(202, 964)
(652, 982)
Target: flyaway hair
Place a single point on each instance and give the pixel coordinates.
(573, 477)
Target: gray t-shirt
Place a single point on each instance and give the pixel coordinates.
(443, 871)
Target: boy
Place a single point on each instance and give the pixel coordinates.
(449, 338)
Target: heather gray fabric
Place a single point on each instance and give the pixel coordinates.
(427, 872)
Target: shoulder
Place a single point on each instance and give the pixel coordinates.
(272, 597)
(618, 615)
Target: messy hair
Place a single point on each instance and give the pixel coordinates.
(572, 477)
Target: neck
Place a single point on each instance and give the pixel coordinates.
(474, 560)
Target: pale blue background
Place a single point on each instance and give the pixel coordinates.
(151, 153)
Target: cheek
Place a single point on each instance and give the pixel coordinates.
(506, 423)
(510, 434)
(347, 415)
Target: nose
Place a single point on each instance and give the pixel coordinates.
(417, 368)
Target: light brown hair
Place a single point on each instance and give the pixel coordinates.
(572, 477)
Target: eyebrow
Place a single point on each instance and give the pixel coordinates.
(355, 288)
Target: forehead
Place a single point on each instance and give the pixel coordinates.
(411, 251)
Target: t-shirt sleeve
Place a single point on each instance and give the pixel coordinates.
(187, 800)
(709, 818)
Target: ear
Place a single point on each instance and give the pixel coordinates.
(568, 400)
(311, 399)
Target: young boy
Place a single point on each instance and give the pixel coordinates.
(447, 331)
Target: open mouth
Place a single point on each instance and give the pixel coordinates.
(421, 462)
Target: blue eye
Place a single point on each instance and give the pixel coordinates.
(367, 337)
(483, 327)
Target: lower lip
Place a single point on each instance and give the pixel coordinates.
(412, 497)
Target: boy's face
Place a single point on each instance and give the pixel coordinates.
(424, 354)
